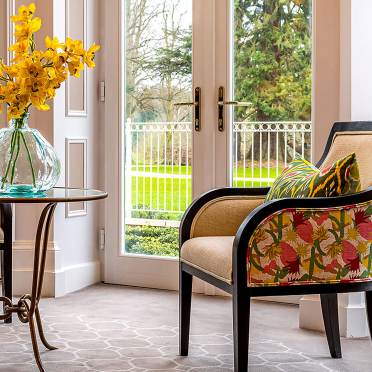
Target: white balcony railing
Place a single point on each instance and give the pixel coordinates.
(158, 162)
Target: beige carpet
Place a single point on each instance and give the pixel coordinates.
(112, 328)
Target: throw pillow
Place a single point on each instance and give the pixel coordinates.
(302, 179)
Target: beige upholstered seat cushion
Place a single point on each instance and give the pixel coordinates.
(212, 254)
(1, 236)
(345, 143)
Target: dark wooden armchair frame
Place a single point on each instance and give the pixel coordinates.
(6, 222)
(241, 293)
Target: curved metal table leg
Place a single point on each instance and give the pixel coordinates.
(28, 306)
(41, 246)
(7, 214)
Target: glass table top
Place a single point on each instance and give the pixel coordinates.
(57, 194)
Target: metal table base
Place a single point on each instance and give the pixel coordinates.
(27, 307)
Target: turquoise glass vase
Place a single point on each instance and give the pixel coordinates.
(28, 163)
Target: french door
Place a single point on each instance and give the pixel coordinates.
(204, 103)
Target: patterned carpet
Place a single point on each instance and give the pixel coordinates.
(110, 328)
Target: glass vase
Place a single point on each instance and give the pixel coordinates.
(28, 163)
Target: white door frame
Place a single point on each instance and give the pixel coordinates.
(213, 171)
(209, 162)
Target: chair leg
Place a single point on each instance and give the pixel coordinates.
(185, 294)
(369, 310)
(331, 325)
(241, 314)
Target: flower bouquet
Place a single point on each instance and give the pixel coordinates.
(28, 163)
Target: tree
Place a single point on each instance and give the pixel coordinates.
(140, 14)
(171, 64)
(273, 59)
(158, 59)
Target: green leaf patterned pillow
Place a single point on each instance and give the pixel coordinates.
(302, 179)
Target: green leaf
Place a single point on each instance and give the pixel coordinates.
(255, 248)
(312, 261)
(283, 273)
(344, 271)
(370, 258)
(364, 275)
(254, 263)
(275, 238)
(368, 211)
(334, 233)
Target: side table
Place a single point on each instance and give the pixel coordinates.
(27, 308)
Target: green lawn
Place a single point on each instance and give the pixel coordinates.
(174, 194)
(183, 170)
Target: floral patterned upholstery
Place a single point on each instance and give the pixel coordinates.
(312, 246)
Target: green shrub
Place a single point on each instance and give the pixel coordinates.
(151, 240)
(154, 215)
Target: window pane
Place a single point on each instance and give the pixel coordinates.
(272, 72)
(157, 135)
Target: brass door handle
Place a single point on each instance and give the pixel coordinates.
(186, 104)
(220, 106)
(234, 103)
(197, 107)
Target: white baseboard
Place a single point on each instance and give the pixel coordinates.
(75, 277)
(352, 315)
(58, 280)
(311, 313)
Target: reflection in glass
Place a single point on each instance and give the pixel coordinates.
(272, 71)
(57, 193)
(157, 135)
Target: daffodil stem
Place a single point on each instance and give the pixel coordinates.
(10, 160)
(16, 158)
(15, 148)
(29, 159)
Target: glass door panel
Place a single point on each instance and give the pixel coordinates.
(158, 135)
(260, 53)
(272, 73)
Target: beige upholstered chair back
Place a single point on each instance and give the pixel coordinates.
(345, 143)
(223, 216)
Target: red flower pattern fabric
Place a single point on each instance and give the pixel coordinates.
(312, 246)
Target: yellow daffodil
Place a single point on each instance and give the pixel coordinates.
(24, 31)
(90, 54)
(53, 44)
(34, 76)
(32, 69)
(20, 49)
(75, 66)
(24, 13)
(74, 47)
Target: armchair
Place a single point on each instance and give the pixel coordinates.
(6, 250)
(233, 240)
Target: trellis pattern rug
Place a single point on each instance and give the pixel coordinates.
(108, 329)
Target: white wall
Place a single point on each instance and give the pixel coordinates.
(2, 44)
(326, 67)
(344, 42)
(73, 255)
(79, 235)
